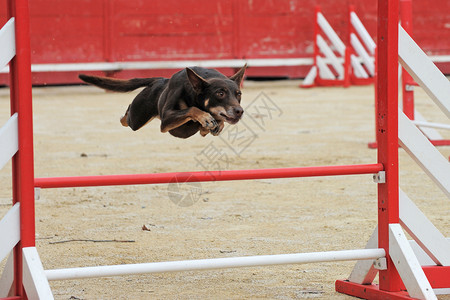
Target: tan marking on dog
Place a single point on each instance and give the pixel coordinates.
(217, 110)
(123, 120)
(183, 105)
(206, 102)
(204, 131)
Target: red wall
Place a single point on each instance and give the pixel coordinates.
(141, 30)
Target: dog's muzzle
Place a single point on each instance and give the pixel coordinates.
(233, 115)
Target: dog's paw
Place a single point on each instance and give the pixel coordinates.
(208, 122)
(216, 131)
(204, 131)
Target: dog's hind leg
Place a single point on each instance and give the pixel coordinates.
(144, 108)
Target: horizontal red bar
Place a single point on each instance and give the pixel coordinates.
(440, 142)
(371, 291)
(202, 176)
(438, 276)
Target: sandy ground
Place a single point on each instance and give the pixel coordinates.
(77, 132)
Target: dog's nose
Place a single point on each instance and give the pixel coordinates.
(238, 111)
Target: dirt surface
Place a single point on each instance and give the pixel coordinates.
(77, 132)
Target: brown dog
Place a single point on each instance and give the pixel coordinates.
(194, 99)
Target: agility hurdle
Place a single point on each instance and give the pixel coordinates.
(393, 254)
(345, 65)
(408, 85)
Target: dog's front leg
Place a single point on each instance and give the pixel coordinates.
(216, 131)
(176, 118)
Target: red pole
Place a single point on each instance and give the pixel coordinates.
(407, 80)
(202, 176)
(387, 132)
(23, 164)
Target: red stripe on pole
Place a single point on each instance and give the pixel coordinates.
(203, 176)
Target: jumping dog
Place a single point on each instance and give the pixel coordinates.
(193, 99)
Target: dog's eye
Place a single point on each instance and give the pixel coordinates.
(220, 94)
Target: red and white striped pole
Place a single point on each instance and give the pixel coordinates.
(23, 164)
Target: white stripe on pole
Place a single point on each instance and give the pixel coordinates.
(214, 263)
(9, 140)
(310, 77)
(10, 230)
(362, 32)
(362, 53)
(359, 70)
(331, 34)
(424, 72)
(8, 42)
(324, 71)
(330, 56)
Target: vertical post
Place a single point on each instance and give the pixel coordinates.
(23, 161)
(316, 47)
(387, 132)
(407, 80)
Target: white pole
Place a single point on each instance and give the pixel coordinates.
(214, 263)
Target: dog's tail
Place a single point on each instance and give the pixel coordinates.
(117, 85)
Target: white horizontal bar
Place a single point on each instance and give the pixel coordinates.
(9, 230)
(331, 34)
(214, 263)
(430, 133)
(152, 65)
(431, 125)
(149, 65)
(8, 42)
(9, 140)
(362, 32)
(424, 72)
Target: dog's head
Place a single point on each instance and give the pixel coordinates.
(221, 97)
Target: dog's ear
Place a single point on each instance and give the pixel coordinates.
(239, 76)
(197, 82)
